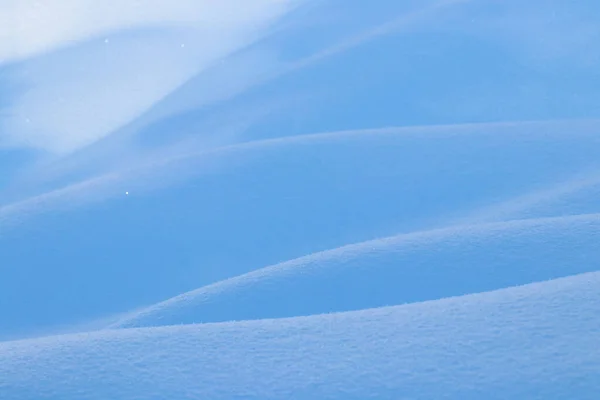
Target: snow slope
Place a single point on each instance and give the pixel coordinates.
(406, 268)
(537, 341)
(297, 199)
(306, 194)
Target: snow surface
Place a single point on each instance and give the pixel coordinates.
(537, 342)
(256, 204)
(401, 269)
(277, 199)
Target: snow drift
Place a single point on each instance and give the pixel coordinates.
(536, 341)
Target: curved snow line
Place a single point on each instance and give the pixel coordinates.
(590, 128)
(393, 25)
(369, 259)
(513, 208)
(515, 294)
(565, 127)
(539, 338)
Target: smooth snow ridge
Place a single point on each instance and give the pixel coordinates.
(230, 206)
(537, 341)
(395, 270)
(296, 200)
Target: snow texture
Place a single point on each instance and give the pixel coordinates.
(291, 199)
(536, 341)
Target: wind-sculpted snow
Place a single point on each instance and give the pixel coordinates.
(240, 208)
(293, 199)
(395, 270)
(537, 342)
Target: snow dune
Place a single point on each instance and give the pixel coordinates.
(537, 341)
(307, 194)
(405, 268)
(299, 200)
